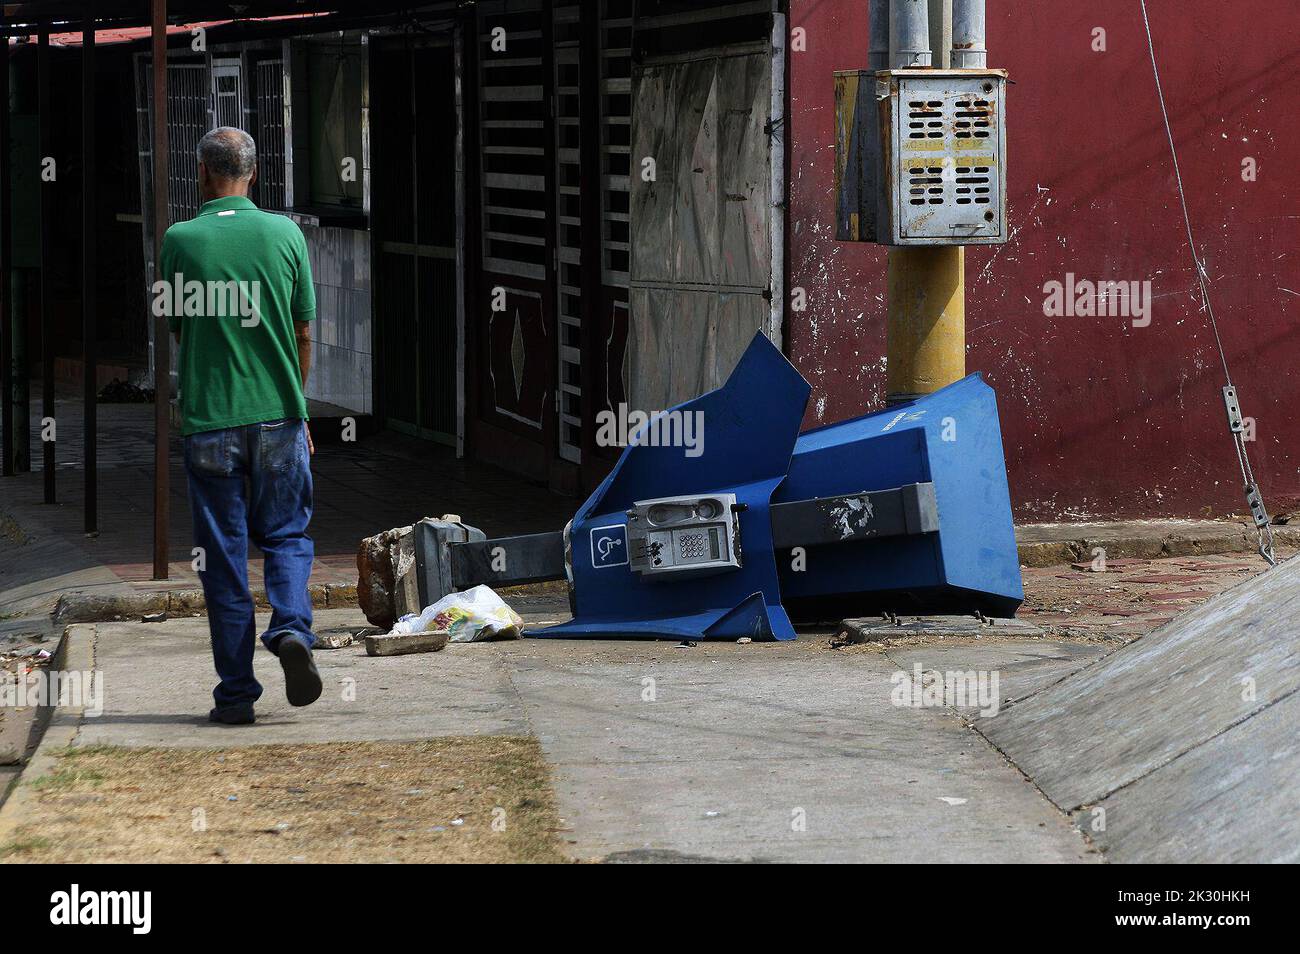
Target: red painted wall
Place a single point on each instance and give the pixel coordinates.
(1099, 419)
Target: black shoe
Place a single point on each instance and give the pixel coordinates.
(301, 680)
(241, 713)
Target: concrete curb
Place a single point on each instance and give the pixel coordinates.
(116, 607)
(125, 607)
(76, 652)
(1140, 540)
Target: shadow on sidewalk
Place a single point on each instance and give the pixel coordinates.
(380, 481)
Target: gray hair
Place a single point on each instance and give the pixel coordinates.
(229, 153)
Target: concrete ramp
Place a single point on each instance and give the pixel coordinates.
(1184, 745)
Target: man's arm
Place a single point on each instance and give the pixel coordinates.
(166, 266)
(304, 310)
(302, 337)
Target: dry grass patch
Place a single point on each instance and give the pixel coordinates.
(474, 799)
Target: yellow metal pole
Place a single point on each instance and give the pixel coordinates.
(926, 328)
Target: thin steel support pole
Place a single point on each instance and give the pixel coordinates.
(89, 248)
(162, 334)
(44, 134)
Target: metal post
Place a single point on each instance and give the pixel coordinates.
(968, 50)
(925, 330)
(20, 403)
(162, 334)
(47, 317)
(89, 324)
(878, 57)
(909, 34)
(941, 34)
(6, 261)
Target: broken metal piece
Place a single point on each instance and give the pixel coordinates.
(1263, 523)
(901, 511)
(1254, 499)
(433, 564)
(1256, 503)
(950, 439)
(1235, 422)
(507, 561)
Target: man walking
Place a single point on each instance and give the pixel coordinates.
(240, 302)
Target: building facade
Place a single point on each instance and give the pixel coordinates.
(527, 215)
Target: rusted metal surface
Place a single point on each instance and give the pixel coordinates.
(856, 133)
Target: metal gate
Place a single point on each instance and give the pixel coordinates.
(268, 101)
(188, 93)
(516, 340)
(187, 121)
(227, 95)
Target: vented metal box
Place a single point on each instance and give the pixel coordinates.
(921, 157)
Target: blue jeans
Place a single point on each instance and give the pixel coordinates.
(252, 481)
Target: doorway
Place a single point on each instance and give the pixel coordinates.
(414, 228)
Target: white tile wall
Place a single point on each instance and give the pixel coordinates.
(341, 353)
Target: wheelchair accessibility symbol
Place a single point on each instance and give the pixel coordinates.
(609, 546)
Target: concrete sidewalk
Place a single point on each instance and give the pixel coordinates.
(1183, 746)
(722, 752)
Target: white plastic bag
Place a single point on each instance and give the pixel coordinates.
(475, 614)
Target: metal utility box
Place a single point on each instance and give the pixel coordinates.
(921, 157)
(683, 536)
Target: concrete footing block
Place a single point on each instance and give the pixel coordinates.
(875, 629)
(429, 642)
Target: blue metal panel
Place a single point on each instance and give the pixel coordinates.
(951, 437)
(750, 425)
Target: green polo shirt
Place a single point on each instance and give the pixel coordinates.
(233, 280)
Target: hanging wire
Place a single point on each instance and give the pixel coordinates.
(1263, 525)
